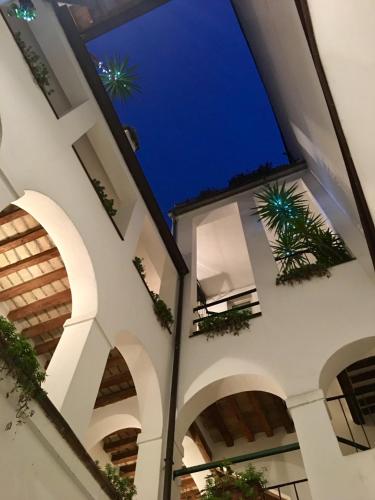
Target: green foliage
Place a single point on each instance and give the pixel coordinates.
(24, 11)
(300, 235)
(38, 69)
(259, 173)
(222, 482)
(231, 321)
(138, 262)
(18, 359)
(119, 78)
(162, 311)
(107, 202)
(123, 485)
(299, 274)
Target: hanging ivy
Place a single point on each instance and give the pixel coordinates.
(304, 245)
(162, 312)
(18, 359)
(107, 202)
(37, 68)
(228, 322)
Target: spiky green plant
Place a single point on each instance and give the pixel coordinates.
(300, 235)
(118, 77)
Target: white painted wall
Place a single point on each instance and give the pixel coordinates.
(345, 35)
(38, 463)
(281, 53)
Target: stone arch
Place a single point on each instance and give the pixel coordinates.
(344, 357)
(107, 420)
(72, 249)
(146, 382)
(221, 388)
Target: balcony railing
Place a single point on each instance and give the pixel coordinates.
(287, 491)
(356, 436)
(247, 299)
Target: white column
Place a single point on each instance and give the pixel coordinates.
(331, 476)
(149, 468)
(75, 372)
(134, 228)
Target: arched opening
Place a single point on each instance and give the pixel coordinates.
(35, 290)
(348, 379)
(240, 416)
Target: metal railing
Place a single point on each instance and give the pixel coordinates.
(247, 299)
(341, 408)
(292, 490)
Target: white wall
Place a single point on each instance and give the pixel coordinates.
(38, 463)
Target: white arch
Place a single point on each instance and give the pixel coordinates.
(72, 250)
(344, 357)
(219, 389)
(146, 383)
(108, 419)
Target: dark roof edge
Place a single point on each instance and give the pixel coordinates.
(109, 113)
(281, 171)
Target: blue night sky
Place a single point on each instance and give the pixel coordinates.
(203, 114)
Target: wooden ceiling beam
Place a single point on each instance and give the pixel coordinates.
(48, 346)
(46, 326)
(114, 361)
(120, 378)
(120, 444)
(260, 413)
(28, 286)
(114, 397)
(200, 441)
(285, 416)
(126, 456)
(29, 261)
(12, 215)
(219, 422)
(128, 468)
(21, 238)
(244, 425)
(39, 306)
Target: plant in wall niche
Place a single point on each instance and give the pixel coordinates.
(231, 321)
(162, 311)
(304, 244)
(138, 262)
(38, 69)
(225, 484)
(118, 77)
(18, 360)
(107, 202)
(24, 10)
(123, 485)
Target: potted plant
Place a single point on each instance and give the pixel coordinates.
(225, 484)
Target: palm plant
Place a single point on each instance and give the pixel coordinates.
(118, 77)
(299, 234)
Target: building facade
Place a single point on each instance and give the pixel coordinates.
(294, 392)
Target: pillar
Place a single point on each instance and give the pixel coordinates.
(149, 468)
(330, 474)
(75, 372)
(178, 453)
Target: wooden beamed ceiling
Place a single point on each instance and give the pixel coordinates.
(34, 287)
(243, 415)
(122, 448)
(117, 383)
